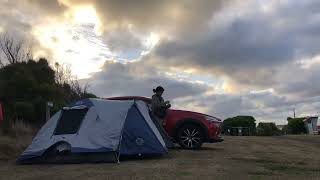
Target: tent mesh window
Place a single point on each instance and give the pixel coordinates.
(70, 121)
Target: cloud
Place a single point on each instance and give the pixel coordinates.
(145, 14)
(19, 17)
(265, 106)
(13, 21)
(52, 7)
(125, 43)
(125, 22)
(299, 82)
(253, 57)
(135, 78)
(248, 48)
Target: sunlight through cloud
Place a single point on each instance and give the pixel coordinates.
(75, 45)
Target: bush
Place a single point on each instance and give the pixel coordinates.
(268, 129)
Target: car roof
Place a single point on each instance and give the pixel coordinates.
(146, 99)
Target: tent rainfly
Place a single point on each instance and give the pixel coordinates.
(96, 130)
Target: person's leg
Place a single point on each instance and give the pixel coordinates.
(159, 124)
(160, 120)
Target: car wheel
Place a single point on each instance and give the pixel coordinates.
(190, 136)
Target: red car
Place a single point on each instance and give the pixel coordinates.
(189, 129)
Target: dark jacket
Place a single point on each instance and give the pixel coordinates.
(159, 107)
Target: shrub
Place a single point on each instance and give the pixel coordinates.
(268, 129)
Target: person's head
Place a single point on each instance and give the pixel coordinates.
(159, 90)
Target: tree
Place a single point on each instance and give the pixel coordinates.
(63, 74)
(14, 51)
(240, 121)
(296, 126)
(70, 84)
(26, 87)
(268, 129)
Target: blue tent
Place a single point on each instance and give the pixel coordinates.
(96, 130)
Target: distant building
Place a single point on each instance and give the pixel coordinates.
(280, 127)
(238, 131)
(310, 124)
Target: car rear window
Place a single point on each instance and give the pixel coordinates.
(70, 121)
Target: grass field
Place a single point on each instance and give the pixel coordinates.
(284, 157)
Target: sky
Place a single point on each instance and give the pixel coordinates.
(221, 57)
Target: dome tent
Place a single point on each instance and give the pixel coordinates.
(96, 130)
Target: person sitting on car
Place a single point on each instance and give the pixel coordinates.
(159, 106)
(159, 109)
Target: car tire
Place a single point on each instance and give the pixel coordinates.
(190, 136)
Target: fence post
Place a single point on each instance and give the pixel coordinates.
(48, 106)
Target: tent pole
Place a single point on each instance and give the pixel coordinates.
(118, 157)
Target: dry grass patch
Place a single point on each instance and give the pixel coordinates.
(12, 144)
(235, 158)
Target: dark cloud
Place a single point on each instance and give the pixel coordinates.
(117, 79)
(123, 41)
(121, 17)
(145, 14)
(300, 82)
(251, 49)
